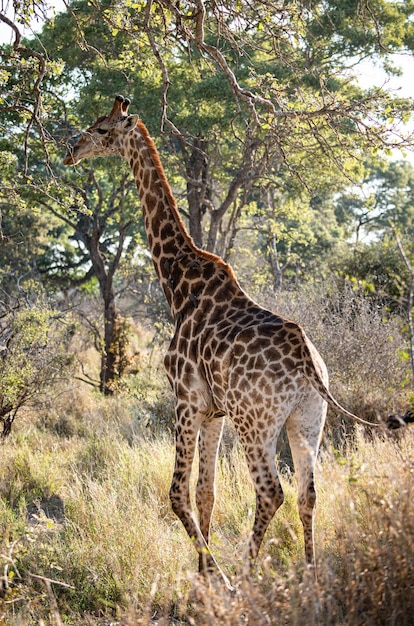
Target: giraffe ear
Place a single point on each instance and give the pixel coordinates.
(131, 121)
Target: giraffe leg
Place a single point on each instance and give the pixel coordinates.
(185, 446)
(186, 439)
(304, 429)
(269, 494)
(209, 440)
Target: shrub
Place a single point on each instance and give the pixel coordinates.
(33, 354)
(362, 345)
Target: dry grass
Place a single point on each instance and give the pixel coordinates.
(91, 513)
(87, 535)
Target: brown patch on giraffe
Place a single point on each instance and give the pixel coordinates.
(157, 249)
(161, 212)
(146, 179)
(155, 226)
(289, 364)
(167, 231)
(151, 202)
(178, 300)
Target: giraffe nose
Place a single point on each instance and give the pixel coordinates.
(70, 154)
(74, 140)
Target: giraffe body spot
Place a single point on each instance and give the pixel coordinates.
(151, 202)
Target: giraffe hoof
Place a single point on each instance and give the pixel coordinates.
(209, 568)
(207, 563)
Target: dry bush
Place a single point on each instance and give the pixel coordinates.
(365, 544)
(363, 346)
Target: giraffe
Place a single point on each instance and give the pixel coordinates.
(228, 356)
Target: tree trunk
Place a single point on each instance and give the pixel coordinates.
(114, 339)
(109, 350)
(410, 297)
(198, 192)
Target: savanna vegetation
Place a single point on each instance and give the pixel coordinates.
(294, 171)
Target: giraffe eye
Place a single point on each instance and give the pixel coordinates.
(101, 131)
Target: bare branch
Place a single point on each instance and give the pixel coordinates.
(35, 111)
(410, 295)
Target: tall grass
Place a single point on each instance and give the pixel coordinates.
(91, 513)
(87, 535)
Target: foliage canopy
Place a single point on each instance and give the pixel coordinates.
(263, 126)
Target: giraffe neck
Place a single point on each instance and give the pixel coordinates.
(186, 273)
(167, 237)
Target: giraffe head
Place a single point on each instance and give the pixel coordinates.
(102, 138)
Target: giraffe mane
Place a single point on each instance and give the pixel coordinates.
(209, 256)
(98, 121)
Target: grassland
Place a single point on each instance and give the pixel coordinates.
(87, 508)
(87, 535)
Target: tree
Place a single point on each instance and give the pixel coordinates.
(384, 196)
(407, 256)
(104, 235)
(374, 211)
(381, 211)
(33, 353)
(245, 92)
(248, 98)
(281, 71)
(85, 235)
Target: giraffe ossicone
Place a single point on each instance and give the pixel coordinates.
(228, 355)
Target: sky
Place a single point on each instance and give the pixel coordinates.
(371, 75)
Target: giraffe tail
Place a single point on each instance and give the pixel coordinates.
(312, 375)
